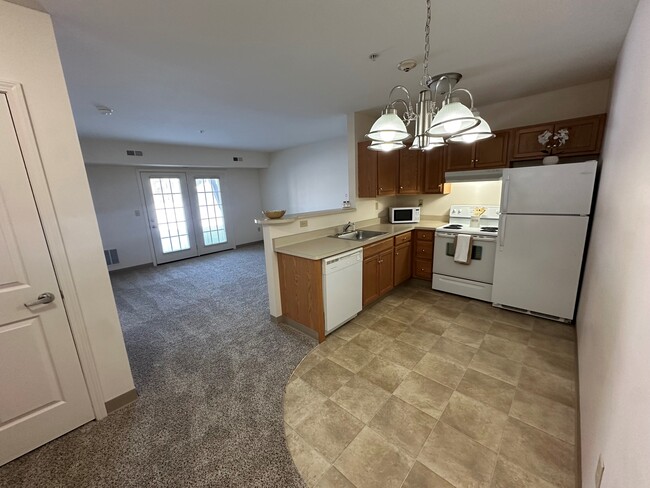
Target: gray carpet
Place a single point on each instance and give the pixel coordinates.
(210, 368)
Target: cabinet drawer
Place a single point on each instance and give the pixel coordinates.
(373, 249)
(402, 238)
(424, 250)
(424, 235)
(423, 268)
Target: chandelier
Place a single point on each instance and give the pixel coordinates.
(436, 122)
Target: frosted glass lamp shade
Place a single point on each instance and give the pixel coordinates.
(428, 142)
(452, 118)
(478, 133)
(388, 128)
(386, 146)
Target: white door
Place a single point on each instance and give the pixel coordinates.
(208, 210)
(538, 263)
(42, 390)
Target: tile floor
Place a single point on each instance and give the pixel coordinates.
(425, 389)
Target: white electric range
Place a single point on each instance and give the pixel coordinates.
(472, 280)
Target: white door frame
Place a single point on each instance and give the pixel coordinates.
(44, 204)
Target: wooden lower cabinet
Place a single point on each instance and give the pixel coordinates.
(377, 270)
(301, 292)
(423, 256)
(402, 263)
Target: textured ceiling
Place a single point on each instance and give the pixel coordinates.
(271, 74)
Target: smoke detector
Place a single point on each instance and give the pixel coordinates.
(104, 110)
(407, 65)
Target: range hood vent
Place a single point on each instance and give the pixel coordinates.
(475, 175)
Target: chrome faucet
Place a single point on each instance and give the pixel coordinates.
(347, 227)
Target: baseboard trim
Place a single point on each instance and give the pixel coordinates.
(297, 326)
(121, 401)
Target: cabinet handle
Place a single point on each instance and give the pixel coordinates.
(396, 254)
(401, 187)
(440, 187)
(381, 189)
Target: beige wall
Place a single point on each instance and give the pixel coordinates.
(614, 312)
(30, 57)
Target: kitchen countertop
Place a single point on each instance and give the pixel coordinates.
(324, 247)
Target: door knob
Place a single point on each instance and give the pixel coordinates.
(42, 299)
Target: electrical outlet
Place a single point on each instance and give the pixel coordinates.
(137, 213)
(600, 468)
(303, 223)
(376, 205)
(420, 202)
(259, 229)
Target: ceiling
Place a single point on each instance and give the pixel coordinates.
(271, 74)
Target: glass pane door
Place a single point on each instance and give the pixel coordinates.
(169, 215)
(209, 214)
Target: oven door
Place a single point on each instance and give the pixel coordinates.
(480, 268)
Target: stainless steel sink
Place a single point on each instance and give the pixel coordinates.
(359, 235)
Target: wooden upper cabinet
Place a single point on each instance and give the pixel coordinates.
(409, 172)
(366, 171)
(460, 156)
(492, 153)
(434, 170)
(387, 172)
(585, 135)
(525, 144)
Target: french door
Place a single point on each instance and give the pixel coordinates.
(186, 214)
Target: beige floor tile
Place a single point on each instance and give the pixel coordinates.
(551, 362)
(482, 310)
(366, 317)
(426, 297)
(488, 390)
(475, 419)
(381, 308)
(555, 329)
(473, 322)
(404, 315)
(309, 463)
(330, 345)
(457, 458)
(403, 425)
(384, 373)
(503, 347)
(422, 477)
(496, 366)
(300, 399)
(552, 417)
(328, 377)
(440, 311)
(423, 393)
(361, 398)
(417, 306)
(509, 475)
(510, 332)
(553, 344)
(548, 385)
(403, 354)
(329, 429)
(418, 338)
(539, 453)
(351, 357)
(371, 340)
(438, 369)
(393, 300)
(453, 351)
(388, 327)
(453, 302)
(429, 323)
(348, 331)
(370, 462)
(517, 319)
(404, 291)
(469, 337)
(308, 362)
(334, 479)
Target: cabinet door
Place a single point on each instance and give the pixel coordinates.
(402, 263)
(409, 172)
(492, 153)
(386, 271)
(387, 172)
(370, 280)
(434, 170)
(525, 144)
(366, 171)
(460, 156)
(585, 136)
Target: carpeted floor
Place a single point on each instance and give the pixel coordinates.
(210, 367)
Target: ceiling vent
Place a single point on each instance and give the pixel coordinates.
(237, 158)
(131, 152)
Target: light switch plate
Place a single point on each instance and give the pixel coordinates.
(137, 213)
(303, 223)
(600, 468)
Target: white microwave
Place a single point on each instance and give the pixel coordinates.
(404, 215)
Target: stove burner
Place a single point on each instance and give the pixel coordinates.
(453, 226)
(489, 229)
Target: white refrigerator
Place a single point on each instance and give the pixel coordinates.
(543, 224)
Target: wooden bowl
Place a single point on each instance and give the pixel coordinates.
(274, 214)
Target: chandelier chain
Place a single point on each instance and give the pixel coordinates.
(427, 29)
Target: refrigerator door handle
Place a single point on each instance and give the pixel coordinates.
(502, 229)
(506, 194)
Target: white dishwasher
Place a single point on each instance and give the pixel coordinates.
(342, 276)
